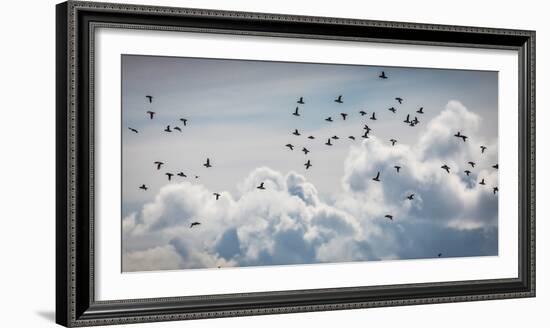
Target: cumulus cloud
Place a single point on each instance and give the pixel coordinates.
(290, 223)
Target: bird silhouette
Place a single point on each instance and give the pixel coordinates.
(482, 149)
(420, 110)
(196, 176)
(194, 224)
(133, 130)
(482, 182)
(158, 164)
(217, 195)
(311, 137)
(344, 115)
(167, 129)
(305, 150)
(495, 166)
(377, 177)
(308, 164)
(328, 142)
(144, 187)
(392, 109)
(362, 112)
(339, 99)
(207, 164)
(446, 168)
(184, 120)
(296, 112)
(472, 164)
(150, 98)
(393, 141)
(290, 146)
(410, 197)
(400, 100)
(458, 135)
(383, 75)
(177, 128)
(301, 101)
(151, 114)
(388, 216)
(335, 137)
(407, 120)
(328, 119)
(495, 190)
(296, 133)
(169, 175)
(439, 254)
(467, 172)
(397, 168)
(181, 174)
(415, 121)
(261, 186)
(373, 117)
(351, 137)
(366, 134)
(366, 127)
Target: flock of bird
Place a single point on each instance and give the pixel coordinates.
(344, 116)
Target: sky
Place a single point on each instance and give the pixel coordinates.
(240, 117)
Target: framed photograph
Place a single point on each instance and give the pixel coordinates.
(215, 164)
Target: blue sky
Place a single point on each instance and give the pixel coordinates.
(239, 116)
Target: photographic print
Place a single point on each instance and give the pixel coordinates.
(237, 163)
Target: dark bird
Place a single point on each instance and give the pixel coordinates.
(167, 129)
(383, 75)
(415, 121)
(472, 164)
(184, 120)
(397, 167)
(392, 109)
(400, 100)
(366, 127)
(446, 168)
(207, 164)
(308, 164)
(196, 176)
(159, 164)
(412, 124)
(373, 117)
(290, 146)
(366, 134)
(439, 254)
(420, 110)
(261, 186)
(181, 174)
(296, 133)
(407, 120)
(467, 172)
(458, 135)
(305, 150)
(387, 216)
(194, 224)
(482, 149)
(339, 99)
(377, 177)
(344, 115)
(495, 166)
(328, 119)
(301, 101)
(482, 182)
(177, 128)
(133, 130)
(150, 98)
(335, 137)
(495, 190)
(410, 197)
(169, 175)
(151, 114)
(144, 187)
(311, 137)
(296, 112)
(217, 195)
(351, 137)
(328, 142)
(393, 141)
(362, 112)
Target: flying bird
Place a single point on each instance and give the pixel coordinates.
(339, 99)
(393, 141)
(410, 197)
(366, 127)
(439, 254)
(397, 167)
(305, 150)
(362, 112)
(158, 164)
(217, 195)
(177, 128)
(495, 166)
(467, 172)
(328, 142)
(495, 190)
(301, 101)
(181, 174)
(167, 129)
(420, 110)
(377, 177)
(296, 112)
(392, 109)
(296, 133)
(308, 164)
(458, 135)
(133, 130)
(383, 75)
(366, 134)
(446, 168)
(261, 186)
(373, 117)
(311, 137)
(472, 164)
(207, 164)
(482, 182)
(290, 146)
(184, 120)
(169, 175)
(400, 100)
(344, 115)
(194, 224)
(335, 137)
(150, 98)
(407, 120)
(151, 114)
(328, 119)
(351, 137)
(482, 149)
(144, 187)
(388, 216)
(415, 121)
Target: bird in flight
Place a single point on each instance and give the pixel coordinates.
(482, 149)
(150, 98)
(392, 109)
(194, 224)
(328, 142)
(439, 254)
(377, 177)
(144, 187)
(472, 164)
(495, 166)
(410, 197)
(397, 168)
(373, 117)
(407, 120)
(339, 99)
(151, 114)
(169, 175)
(207, 164)
(467, 172)
(301, 101)
(366, 127)
(482, 182)
(167, 129)
(328, 119)
(181, 174)
(420, 110)
(335, 137)
(458, 135)
(415, 121)
(261, 186)
(366, 134)
(399, 99)
(311, 137)
(177, 128)
(351, 137)
(362, 112)
(495, 190)
(393, 141)
(296, 112)
(158, 164)
(305, 150)
(344, 115)
(290, 146)
(133, 130)
(296, 133)
(446, 168)
(388, 216)
(308, 164)
(217, 195)
(383, 75)
(184, 120)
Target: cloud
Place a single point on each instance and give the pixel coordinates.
(290, 223)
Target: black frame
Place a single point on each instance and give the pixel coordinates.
(75, 303)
